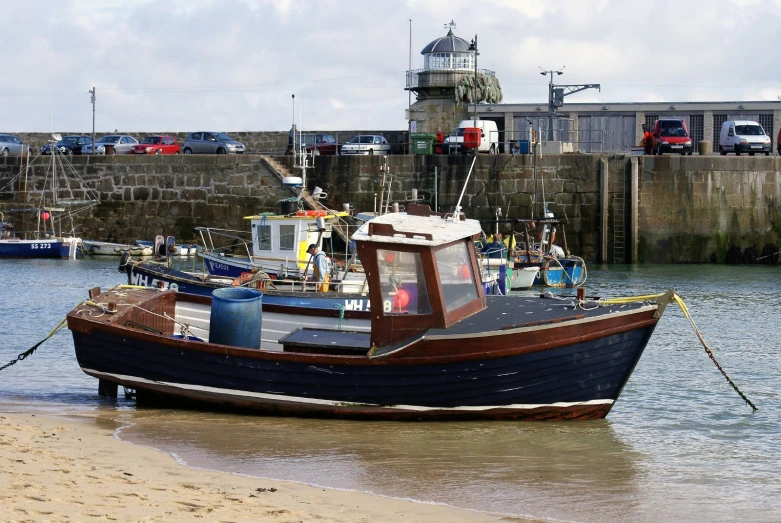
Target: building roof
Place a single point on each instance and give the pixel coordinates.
(449, 43)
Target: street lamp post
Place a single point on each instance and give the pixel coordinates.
(551, 107)
(473, 48)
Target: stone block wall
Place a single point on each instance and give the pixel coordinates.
(690, 210)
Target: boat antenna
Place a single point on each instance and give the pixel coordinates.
(463, 190)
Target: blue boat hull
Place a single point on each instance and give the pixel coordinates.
(589, 376)
(34, 249)
(487, 368)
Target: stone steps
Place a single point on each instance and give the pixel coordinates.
(280, 171)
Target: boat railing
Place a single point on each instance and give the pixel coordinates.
(231, 237)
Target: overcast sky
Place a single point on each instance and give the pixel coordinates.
(232, 65)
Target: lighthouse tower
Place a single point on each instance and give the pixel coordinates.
(449, 71)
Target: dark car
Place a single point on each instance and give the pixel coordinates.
(68, 145)
(324, 144)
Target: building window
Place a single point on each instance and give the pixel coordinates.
(287, 237)
(696, 130)
(718, 121)
(263, 238)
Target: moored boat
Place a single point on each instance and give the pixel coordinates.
(98, 248)
(437, 348)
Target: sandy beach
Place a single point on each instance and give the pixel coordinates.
(63, 469)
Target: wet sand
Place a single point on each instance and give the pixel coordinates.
(58, 469)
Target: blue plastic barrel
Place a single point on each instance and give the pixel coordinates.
(236, 317)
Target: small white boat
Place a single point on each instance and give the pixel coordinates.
(97, 248)
(523, 278)
(184, 250)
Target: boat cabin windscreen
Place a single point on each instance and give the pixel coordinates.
(456, 276)
(402, 283)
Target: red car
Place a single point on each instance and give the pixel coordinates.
(157, 144)
(324, 144)
(672, 136)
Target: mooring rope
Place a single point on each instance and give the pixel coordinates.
(688, 316)
(32, 349)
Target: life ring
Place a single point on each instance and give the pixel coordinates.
(245, 277)
(312, 213)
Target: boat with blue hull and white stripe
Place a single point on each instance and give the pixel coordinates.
(43, 226)
(439, 350)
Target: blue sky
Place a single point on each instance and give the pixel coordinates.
(233, 65)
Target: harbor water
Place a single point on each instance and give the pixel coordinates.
(679, 445)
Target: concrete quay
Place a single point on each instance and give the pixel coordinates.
(689, 209)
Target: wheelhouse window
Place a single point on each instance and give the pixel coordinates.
(456, 276)
(402, 283)
(287, 237)
(263, 238)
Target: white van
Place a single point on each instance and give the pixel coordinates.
(744, 136)
(489, 137)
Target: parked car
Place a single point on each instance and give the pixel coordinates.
(744, 136)
(208, 142)
(122, 143)
(68, 145)
(157, 144)
(10, 145)
(489, 137)
(367, 144)
(324, 144)
(671, 136)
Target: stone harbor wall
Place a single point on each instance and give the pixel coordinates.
(689, 209)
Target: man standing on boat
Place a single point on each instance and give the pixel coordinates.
(320, 266)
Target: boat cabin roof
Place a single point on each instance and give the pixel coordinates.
(406, 229)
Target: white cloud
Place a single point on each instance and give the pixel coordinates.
(233, 64)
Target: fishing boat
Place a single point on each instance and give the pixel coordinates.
(43, 226)
(98, 248)
(437, 347)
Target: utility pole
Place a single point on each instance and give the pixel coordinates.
(92, 99)
(473, 47)
(409, 94)
(556, 94)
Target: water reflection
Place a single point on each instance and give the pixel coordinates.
(496, 466)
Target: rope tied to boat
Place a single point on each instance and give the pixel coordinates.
(32, 349)
(678, 301)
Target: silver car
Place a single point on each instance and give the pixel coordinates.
(208, 142)
(122, 143)
(10, 145)
(367, 144)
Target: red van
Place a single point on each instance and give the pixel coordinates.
(671, 136)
